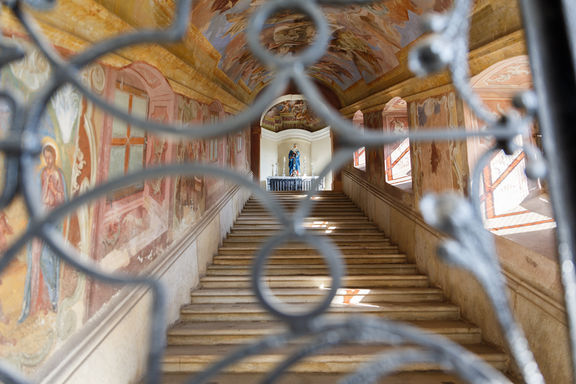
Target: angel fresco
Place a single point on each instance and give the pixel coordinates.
(43, 266)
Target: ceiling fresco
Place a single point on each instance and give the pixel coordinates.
(291, 112)
(365, 39)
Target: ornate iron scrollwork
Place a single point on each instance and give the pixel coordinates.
(472, 247)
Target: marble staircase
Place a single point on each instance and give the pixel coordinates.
(223, 312)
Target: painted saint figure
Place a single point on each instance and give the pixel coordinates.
(294, 161)
(43, 270)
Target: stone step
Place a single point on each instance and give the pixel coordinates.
(292, 207)
(317, 201)
(313, 295)
(342, 243)
(419, 377)
(225, 314)
(350, 282)
(305, 249)
(350, 231)
(325, 216)
(390, 311)
(314, 270)
(317, 208)
(335, 235)
(316, 211)
(237, 332)
(342, 359)
(333, 218)
(362, 226)
(247, 257)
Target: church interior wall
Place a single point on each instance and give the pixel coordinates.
(195, 212)
(133, 230)
(269, 165)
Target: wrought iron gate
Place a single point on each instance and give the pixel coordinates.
(551, 34)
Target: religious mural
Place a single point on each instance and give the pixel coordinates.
(354, 54)
(291, 114)
(189, 191)
(43, 301)
(39, 295)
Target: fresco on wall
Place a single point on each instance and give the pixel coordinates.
(438, 166)
(189, 191)
(41, 297)
(43, 301)
(354, 54)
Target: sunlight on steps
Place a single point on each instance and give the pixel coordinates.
(380, 281)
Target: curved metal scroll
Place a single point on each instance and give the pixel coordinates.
(472, 248)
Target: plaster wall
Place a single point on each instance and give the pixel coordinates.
(319, 158)
(533, 280)
(268, 158)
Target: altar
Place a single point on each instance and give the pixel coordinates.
(293, 183)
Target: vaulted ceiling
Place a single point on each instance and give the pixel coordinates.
(365, 38)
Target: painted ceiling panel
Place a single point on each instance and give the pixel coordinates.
(291, 112)
(365, 39)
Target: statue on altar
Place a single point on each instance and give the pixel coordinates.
(294, 161)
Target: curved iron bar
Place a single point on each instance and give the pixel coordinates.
(325, 340)
(310, 55)
(474, 185)
(447, 46)
(388, 363)
(351, 136)
(368, 331)
(340, 158)
(473, 249)
(261, 346)
(298, 322)
(40, 221)
(41, 228)
(11, 147)
(289, 68)
(9, 375)
(363, 330)
(156, 334)
(68, 74)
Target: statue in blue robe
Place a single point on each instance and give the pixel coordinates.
(294, 161)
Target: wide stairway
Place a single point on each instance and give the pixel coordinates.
(224, 313)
